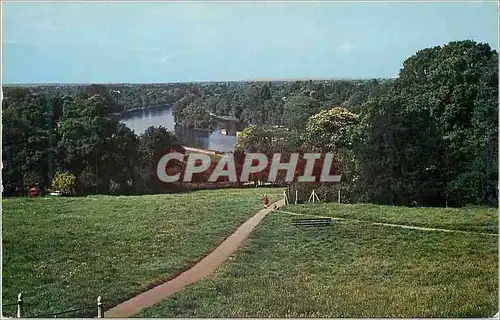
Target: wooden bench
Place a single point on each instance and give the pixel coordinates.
(312, 222)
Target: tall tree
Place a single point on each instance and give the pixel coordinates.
(29, 146)
(85, 138)
(153, 144)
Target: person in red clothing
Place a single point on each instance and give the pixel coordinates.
(266, 201)
(33, 191)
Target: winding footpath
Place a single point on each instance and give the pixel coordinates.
(202, 269)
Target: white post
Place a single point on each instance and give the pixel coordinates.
(296, 196)
(100, 313)
(339, 195)
(20, 311)
(313, 196)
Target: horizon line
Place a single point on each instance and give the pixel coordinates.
(198, 81)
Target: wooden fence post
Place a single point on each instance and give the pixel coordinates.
(314, 197)
(20, 311)
(286, 197)
(100, 313)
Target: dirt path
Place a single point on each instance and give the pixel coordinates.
(390, 224)
(200, 270)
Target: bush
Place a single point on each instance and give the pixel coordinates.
(64, 182)
(31, 178)
(115, 188)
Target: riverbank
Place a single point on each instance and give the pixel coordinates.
(120, 114)
(221, 136)
(213, 115)
(211, 129)
(225, 118)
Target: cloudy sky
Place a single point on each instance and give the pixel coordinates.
(172, 41)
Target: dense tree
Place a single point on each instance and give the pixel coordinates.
(297, 110)
(433, 126)
(331, 131)
(457, 84)
(328, 129)
(249, 102)
(86, 139)
(29, 143)
(153, 144)
(268, 139)
(124, 152)
(195, 115)
(379, 140)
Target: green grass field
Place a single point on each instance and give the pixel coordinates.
(465, 219)
(64, 252)
(353, 269)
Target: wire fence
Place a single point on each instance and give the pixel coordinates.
(55, 314)
(21, 308)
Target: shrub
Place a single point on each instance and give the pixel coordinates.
(64, 182)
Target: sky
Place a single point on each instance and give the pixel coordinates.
(159, 42)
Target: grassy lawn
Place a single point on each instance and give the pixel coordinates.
(64, 252)
(350, 270)
(465, 219)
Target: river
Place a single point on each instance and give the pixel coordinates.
(223, 139)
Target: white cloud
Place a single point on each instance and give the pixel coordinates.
(346, 47)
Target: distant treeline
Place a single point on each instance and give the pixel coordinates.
(249, 102)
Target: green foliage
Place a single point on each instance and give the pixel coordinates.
(331, 131)
(196, 116)
(87, 139)
(64, 182)
(29, 146)
(297, 111)
(249, 102)
(424, 141)
(328, 130)
(268, 139)
(152, 145)
(124, 152)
